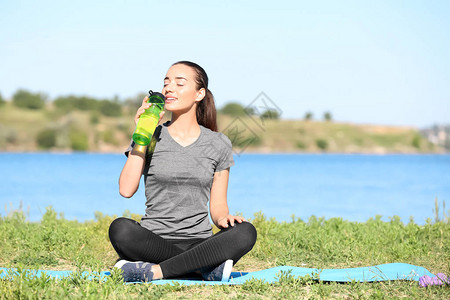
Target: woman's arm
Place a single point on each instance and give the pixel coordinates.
(132, 171)
(218, 206)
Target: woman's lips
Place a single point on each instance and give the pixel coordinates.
(170, 99)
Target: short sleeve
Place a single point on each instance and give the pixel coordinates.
(130, 147)
(226, 159)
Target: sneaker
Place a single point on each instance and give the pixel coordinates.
(134, 271)
(220, 273)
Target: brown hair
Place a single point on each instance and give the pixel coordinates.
(206, 109)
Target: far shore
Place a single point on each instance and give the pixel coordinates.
(237, 152)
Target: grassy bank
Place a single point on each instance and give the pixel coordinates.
(59, 244)
(55, 129)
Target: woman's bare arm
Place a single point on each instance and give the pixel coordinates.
(218, 206)
(132, 171)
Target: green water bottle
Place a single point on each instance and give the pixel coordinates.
(149, 119)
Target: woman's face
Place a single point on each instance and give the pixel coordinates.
(180, 89)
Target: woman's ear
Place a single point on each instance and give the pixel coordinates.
(200, 94)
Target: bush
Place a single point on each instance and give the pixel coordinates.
(308, 116)
(322, 144)
(301, 145)
(86, 103)
(78, 140)
(233, 109)
(64, 103)
(25, 99)
(106, 107)
(67, 103)
(46, 138)
(95, 118)
(416, 141)
(270, 114)
(327, 116)
(110, 108)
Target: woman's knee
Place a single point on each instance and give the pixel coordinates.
(120, 229)
(246, 235)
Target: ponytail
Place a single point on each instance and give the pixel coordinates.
(206, 112)
(206, 109)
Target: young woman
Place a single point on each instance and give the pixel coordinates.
(187, 165)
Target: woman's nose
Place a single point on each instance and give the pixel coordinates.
(168, 87)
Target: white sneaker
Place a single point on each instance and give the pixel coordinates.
(220, 273)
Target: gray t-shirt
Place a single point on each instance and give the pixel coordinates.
(178, 182)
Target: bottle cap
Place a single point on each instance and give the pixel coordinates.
(152, 93)
(157, 98)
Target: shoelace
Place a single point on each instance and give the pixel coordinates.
(140, 272)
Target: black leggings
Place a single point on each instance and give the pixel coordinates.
(179, 257)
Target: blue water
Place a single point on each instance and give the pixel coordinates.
(353, 187)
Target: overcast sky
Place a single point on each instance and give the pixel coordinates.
(376, 62)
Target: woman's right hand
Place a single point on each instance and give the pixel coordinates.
(142, 109)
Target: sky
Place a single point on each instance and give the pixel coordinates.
(366, 62)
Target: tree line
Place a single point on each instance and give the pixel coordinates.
(236, 109)
(114, 108)
(35, 101)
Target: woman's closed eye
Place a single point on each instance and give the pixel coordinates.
(178, 84)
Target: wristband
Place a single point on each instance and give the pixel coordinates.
(140, 149)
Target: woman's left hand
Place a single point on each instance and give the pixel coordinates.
(229, 219)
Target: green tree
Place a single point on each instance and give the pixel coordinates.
(270, 114)
(301, 145)
(46, 138)
(67, 103)
(87, 103)
(249, 111)
(110, 108)
(78, 140)
(327, 116)
(416, 141)
(233, 109)
(322, 144)
(308, 116)
(95, 118)
(25, 99)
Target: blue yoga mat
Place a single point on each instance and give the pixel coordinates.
(385, 272)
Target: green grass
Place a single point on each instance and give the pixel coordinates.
(59, 244)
